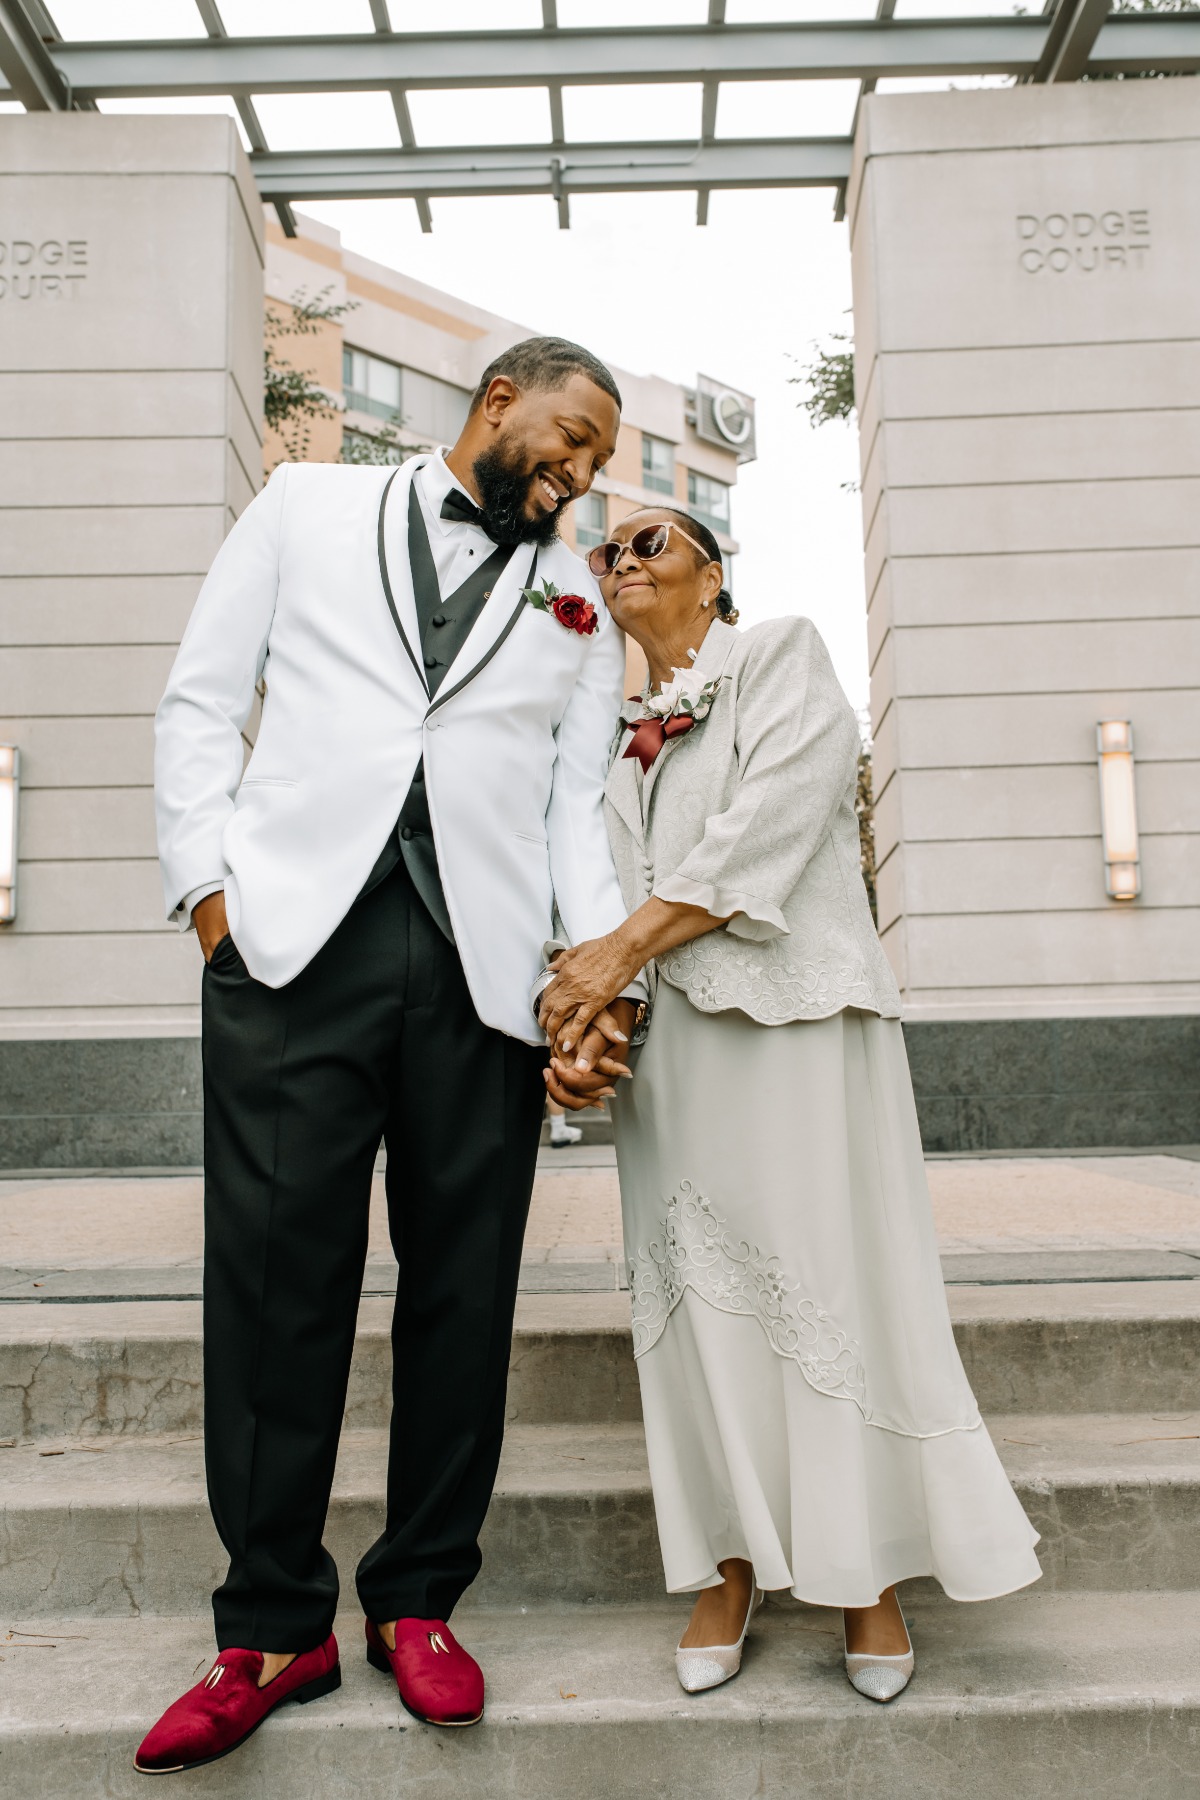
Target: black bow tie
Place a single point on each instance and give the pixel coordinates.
(463, 511)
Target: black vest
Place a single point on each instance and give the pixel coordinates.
(445, 626)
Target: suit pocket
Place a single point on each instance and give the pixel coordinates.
(274, 781)
(225, 953)
(531, 837)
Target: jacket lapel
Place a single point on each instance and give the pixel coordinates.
(621, 790)
(394, 570)
(496, 620)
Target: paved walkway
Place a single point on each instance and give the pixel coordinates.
(1069, 1203)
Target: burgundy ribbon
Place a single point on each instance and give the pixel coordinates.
(651, 734)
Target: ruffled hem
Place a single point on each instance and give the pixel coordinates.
(748, 1460)
(749, 918)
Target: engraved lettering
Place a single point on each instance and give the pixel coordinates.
(1066, 242)
(48, 268)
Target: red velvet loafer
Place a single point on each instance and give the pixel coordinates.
(439, 1682)
(224, 1709)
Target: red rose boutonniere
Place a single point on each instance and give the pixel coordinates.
(571, 610)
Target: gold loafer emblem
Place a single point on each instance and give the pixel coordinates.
(437, 1643)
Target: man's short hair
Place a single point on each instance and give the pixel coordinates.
(545, 365)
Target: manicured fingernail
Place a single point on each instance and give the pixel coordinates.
(625, 1074)
(581, 1062)
(619, 1037)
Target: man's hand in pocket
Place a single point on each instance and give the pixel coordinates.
(208, 916)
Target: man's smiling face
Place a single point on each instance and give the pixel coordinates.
(548, 451)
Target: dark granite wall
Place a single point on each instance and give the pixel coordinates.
(100, 1103)
(1069, 1084)
(1028, 1084)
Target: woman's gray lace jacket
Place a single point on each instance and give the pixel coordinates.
(751, 813)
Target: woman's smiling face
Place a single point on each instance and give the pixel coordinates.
(664, 592)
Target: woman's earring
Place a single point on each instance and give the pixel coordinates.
(704, 603)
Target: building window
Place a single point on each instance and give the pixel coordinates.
(371, 385)
(430, 410)
(658, 464)
(708, 500)
(591, 521)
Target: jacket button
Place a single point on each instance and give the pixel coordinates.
(418, 773)
(407, 833)
(431, 662)
(438, 619)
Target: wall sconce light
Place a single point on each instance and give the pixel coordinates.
(10, 772)
(1118, 809)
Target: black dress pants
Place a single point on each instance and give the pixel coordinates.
(378, 1036)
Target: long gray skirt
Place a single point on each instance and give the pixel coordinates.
(805, 1404)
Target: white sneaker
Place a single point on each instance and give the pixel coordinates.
(562, 1134)
(708, 1665)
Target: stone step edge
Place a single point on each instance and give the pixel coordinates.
(125, 1471)
(546, 1659)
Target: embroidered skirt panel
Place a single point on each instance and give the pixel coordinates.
(805, 1403)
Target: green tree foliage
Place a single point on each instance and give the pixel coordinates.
(292, 398)
(829, 379)
(864, 806)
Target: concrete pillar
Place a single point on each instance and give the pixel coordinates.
(1026, 282)
(130, 438)
(1027, 345)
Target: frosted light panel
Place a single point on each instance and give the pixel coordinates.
(1118, 808)
(9, 772)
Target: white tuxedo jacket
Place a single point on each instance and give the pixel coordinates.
(515, 742)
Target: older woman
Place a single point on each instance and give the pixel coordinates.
(808, 1420)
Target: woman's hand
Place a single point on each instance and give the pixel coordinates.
(587, 978)
(589, 1078)
(590, 975)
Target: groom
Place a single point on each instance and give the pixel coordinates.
(372, 897)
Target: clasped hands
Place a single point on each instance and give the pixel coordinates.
(589, 1030)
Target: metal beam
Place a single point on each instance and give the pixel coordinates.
(1074, 28)
(884, 10)
(27, 65)
(408, 138)
(866, 50)
(860, 48)
(1136, 43)
(256, 137)
(533, 169)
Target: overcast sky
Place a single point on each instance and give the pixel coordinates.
(635, 279)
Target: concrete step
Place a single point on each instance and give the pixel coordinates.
(115, 1370)
(121, 1526)
(1041, 1697)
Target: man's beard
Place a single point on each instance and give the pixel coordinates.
(504, 485)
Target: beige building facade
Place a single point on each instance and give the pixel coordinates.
(1026, 279)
